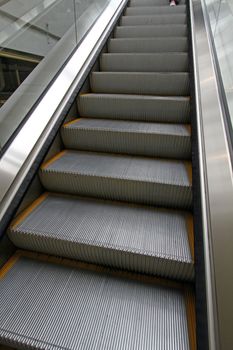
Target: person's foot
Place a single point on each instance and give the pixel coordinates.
(173, 3)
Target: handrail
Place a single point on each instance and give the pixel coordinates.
(18, 159)
(216, 186)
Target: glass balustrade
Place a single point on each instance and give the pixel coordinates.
(36, 38)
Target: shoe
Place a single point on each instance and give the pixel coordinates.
(173, 3)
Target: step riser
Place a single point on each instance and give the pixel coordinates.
(118, 189)
(165, 146)
(145, 84)
(148, 45)
(107, 257)
(151, 31)
(144, 63)
(140, 3)
(152, 10)
(153, 20)
(137, 109)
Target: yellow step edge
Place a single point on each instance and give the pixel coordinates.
(188, 166)
(53, 159)
(188, 128)
(9, 264)
(191, 317)
(71, 122)
(190, 231)
(19, 218)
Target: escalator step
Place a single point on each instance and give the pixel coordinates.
(135, 238)
(153, 20)
(102, 135)
(144, 62)
(145, 45)
(120, 177)
(161, 84)
(143, 3)
(154, 10)
(175, 30)
(65, 305)
(135, 107)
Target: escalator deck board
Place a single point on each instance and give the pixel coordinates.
(59, 306)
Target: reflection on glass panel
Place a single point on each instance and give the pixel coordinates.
(221, 19)
(32, 28)
(14, 69)
(37, 36)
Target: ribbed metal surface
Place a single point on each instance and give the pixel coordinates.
(153, 20)
(118, 177)
(87, 310)
(135, 107)
(150, 45)
(144, 62)
(143, 3)
(162, 84)
(48, 306)
(148, 139)
(175, 30)
(136, 238)
(154, 10)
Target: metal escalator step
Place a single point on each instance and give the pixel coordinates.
(161, 84)
(153, 20)
(136, 138)
(144, 62)
(62, 305)
(120, 177)
(148, 45)
(175, 30)
(143, 3)
(135, 107)
(154, 10)
(135, 238)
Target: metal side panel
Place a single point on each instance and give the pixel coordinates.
(153, 20)
(115, 136)
(140, 239)
(155, 10)
(161, 84)
(135, 107)
(141, 62)
(174, 30)
(47, 305)
(118, 177)
(145, 45)
(143, 3)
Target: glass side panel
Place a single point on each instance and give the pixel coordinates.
(221, 21)
(36, 38)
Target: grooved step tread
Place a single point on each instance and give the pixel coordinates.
(154, 10)
(161, 84)
(88, 308)
(120, 177)
(135, 107)
(153, 19)
(143, 31)
(144, 62)
(142, 3)
(148, 139)
(148, 45)
(136, 238)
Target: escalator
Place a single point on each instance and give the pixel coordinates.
(105, 255)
